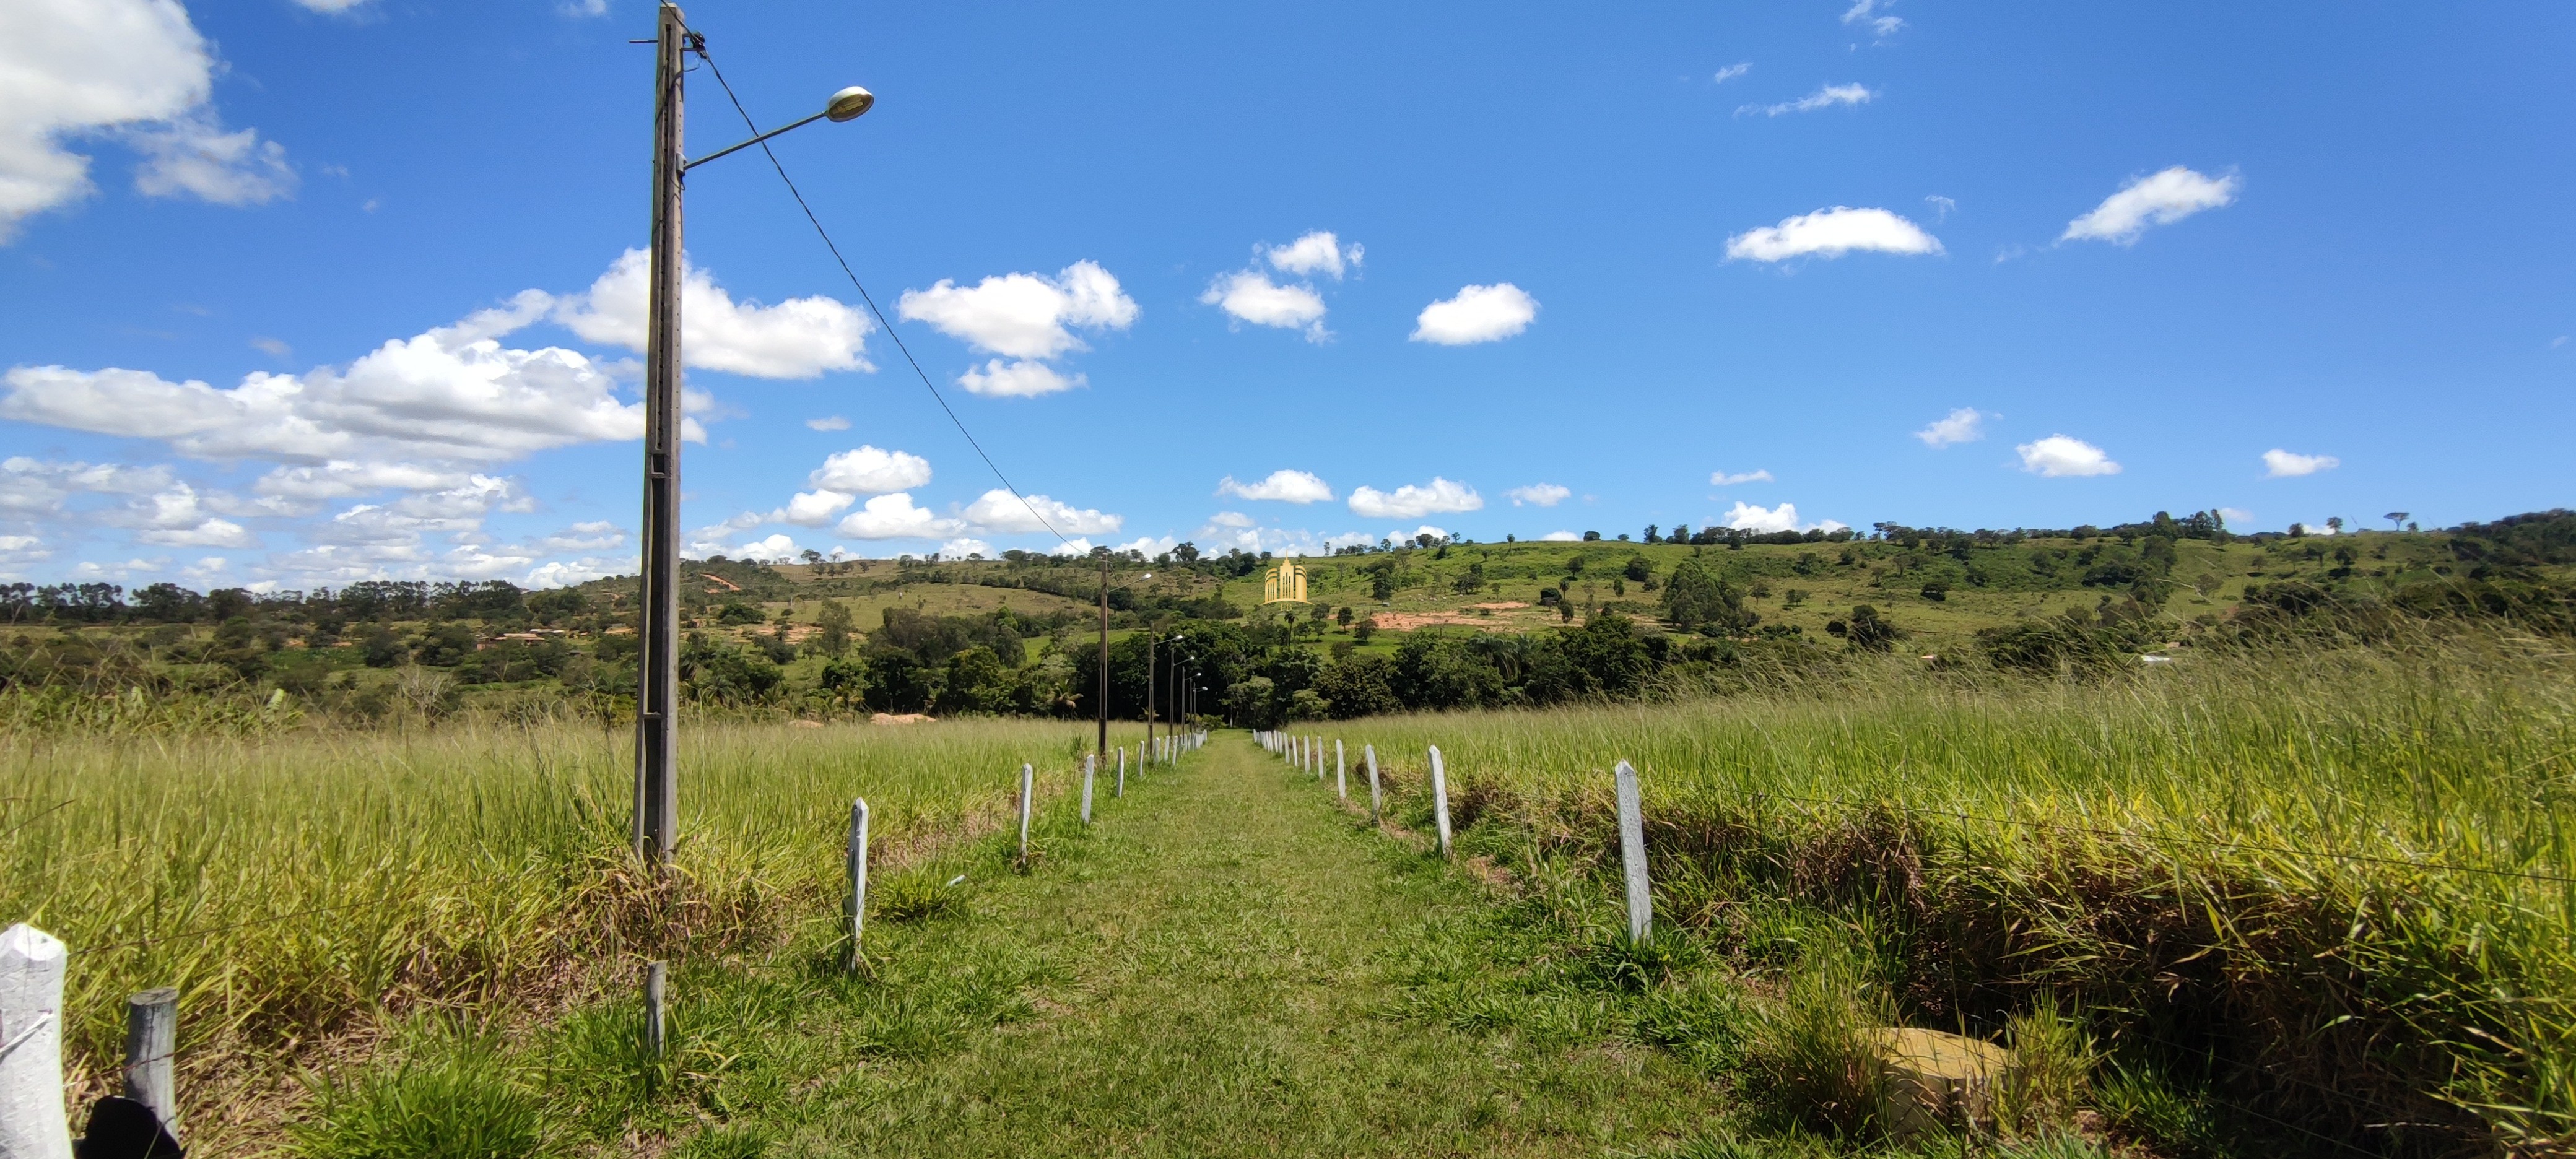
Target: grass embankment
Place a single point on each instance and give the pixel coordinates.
(2233, 867)
(305, 892)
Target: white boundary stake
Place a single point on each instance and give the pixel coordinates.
(1122, 772)
(1632, 854)
(1440, 798)
(1086, 788)
(32, 1122)
(657, 1026)
(1028, 783)
(858, 868)
(1341, 772)
(1368, 755)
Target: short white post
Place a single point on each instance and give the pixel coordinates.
(1341, 775)
(1440, 799)
(1086, 788)
(1368, 756)
(858, 868)
(1122, 772)
(151, 1039)
(32, 1122)
(657, 986)
(1632, 854)
(1028, 785)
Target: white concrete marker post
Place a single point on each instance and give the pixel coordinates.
(32, 1122)
(1028, 784)
(1440, 799)
(1632, 854)
(1368, 756)
(1341, 773)
(858, 869)
(151, 1042)
(1086, 788)
(1122, 772)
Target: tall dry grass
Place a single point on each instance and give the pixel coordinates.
(2340, 877)
(304, 888)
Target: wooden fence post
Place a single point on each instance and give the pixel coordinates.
(1368, 756)
(858, 867)
(1028, 784)
(1086, 788)
(32, 1122)
(657, 985)
(1440, 798)
(1632, 854)
(151, 1038)
(1341, 772)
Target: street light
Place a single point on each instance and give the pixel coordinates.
(1103, 698)
(657, 778)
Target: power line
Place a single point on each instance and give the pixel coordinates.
(700, 46)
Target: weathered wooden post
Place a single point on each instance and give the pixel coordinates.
(657, 985)
(1028, 784)
(1440, 799)
(1368, 756)
(1341, 774)
(32, 1122)
(1086, 788)
(151, 1039)
(858, 867)
(1632, 854)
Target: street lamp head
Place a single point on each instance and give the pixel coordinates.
(850, 104)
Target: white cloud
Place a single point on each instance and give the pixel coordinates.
(797, 338)
(1823, 98)
(331, 7)
(194, 155)
(963, 546)
(1754, 517)
(1539, 495)
(2280, 464)
(1731, 72)
(1722, 479)
(1228, 519)
(1022, 379)
(1871, 13)
(828, 423)
(1250, 296)
(813, 508)
(1024, 315)
(72, 67)
(869, 471)
(341, 478)
(176, 518)
(32, 487)
(2236, 516)
(1560, 537)
(1318, 252)
(1000, 511)
(771, 547)
(1964, 425)
(2062, 457)
(1413, 502)
(1148, 546)
(1476, 314)
(894, 517)
(453, 393)
(588, 535)
(2160, 199)
(1403, 536)
(1832, 233)
(1283, 485)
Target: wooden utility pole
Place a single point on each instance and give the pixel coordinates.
(657, 774)
(1103, 747)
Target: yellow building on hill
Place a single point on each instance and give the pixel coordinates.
(1284, 584)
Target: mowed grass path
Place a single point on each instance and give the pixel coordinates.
(1219, 968)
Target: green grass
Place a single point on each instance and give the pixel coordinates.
(1987, 845)
(307, 893)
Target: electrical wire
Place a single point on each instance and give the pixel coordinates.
(698, 44)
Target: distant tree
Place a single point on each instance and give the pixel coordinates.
(1694, 595)
(1652, 535)
(832, 629)
(2395, 519)
(2334, 523)
(1638, 569)
(811, 557)
(1343, 616)
(2298, 530)
(1366, 628)
(1936, 591)
(1869, 632)
(737, 612)
(1592, 537)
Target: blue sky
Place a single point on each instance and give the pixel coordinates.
(268, 271)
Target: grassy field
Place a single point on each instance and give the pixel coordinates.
(309, 891)
(2329, 890)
